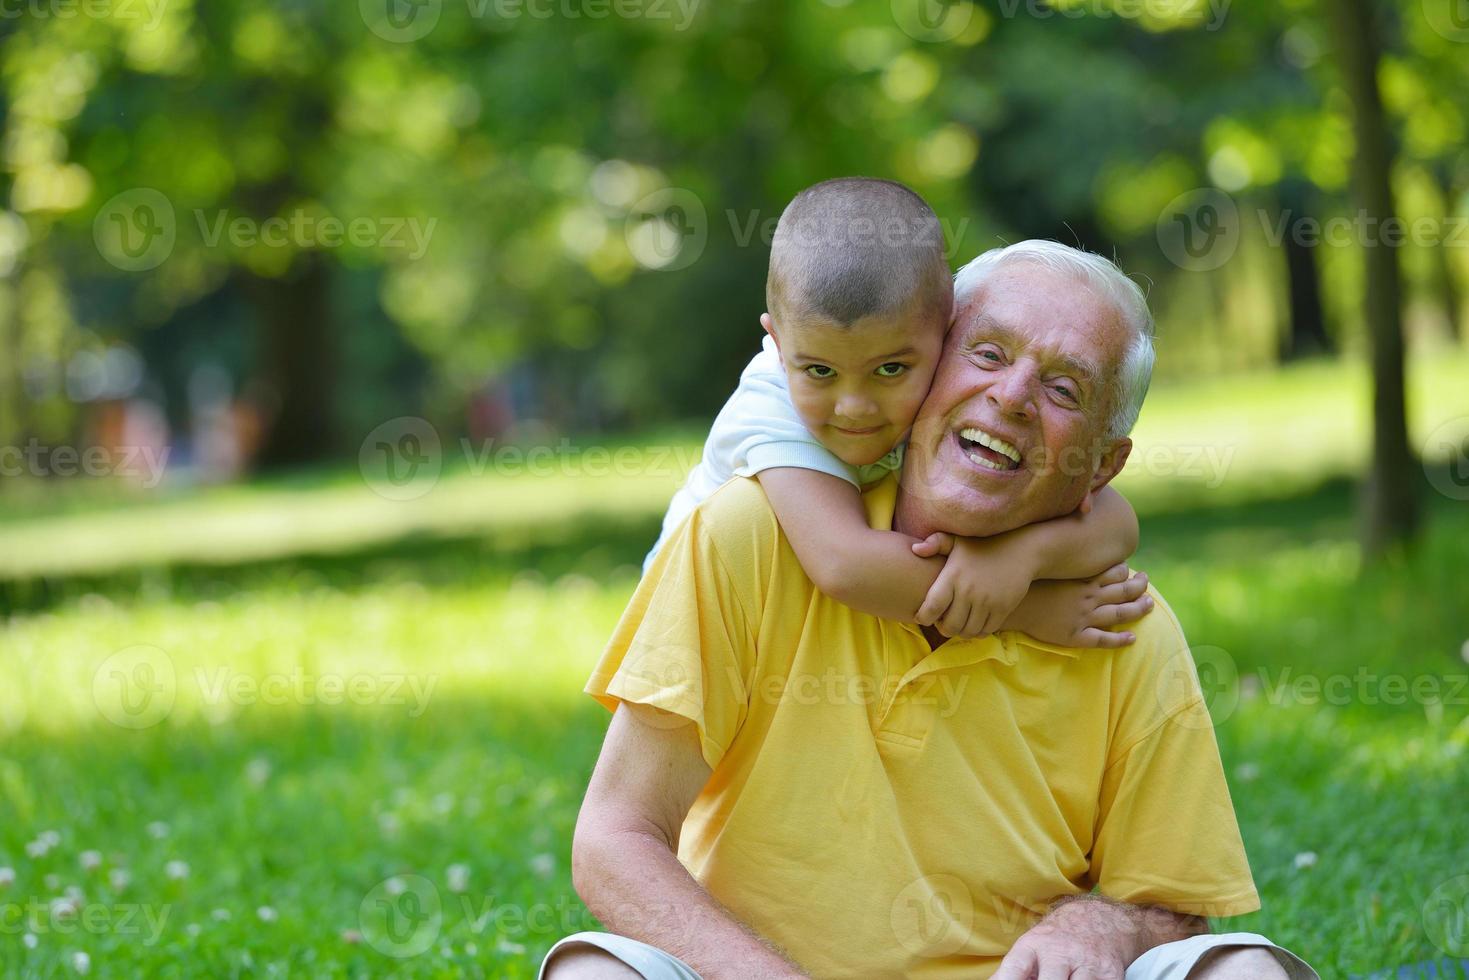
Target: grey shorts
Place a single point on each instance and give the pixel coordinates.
(1171, 961)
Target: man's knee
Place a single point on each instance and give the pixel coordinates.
(1239, 963)
(579, 961)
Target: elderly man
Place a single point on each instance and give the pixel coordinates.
(792, 788)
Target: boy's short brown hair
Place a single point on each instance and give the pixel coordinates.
(854, 247)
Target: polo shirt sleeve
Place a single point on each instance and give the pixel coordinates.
(1167, 833)
(687, 641)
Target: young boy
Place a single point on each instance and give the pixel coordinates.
(859, 297)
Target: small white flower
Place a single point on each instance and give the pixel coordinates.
(37, 848)
(443, 803)
(258, 771)
(75, 894)
(52, 882)
(30, 940)
(266, 914)
(51, 837)
(1247, 772)
(7, 877)
(351, 937)
(220, 915)
(81, 962)
(1464, 652)
(395, 886)
(1305, 859)
(158, 830)
(389, 823)
(90, 860)
(176, 870)
(503, 945)
(63, 908)
(543, 865)
(458, 877)
(193, 929)
(118, 878)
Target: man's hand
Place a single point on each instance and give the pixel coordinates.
(1092, 938)
(1080, 613)
(982, 582)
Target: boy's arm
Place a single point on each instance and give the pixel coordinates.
(969, 598)
(875, 572)
(1083, 544)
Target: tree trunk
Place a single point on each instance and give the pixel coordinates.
(1448, 283)
(297, 362)
(1306, 332)
(1390, 499)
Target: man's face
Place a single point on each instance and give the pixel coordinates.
(1012, 430)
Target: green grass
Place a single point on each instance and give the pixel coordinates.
(495, 609)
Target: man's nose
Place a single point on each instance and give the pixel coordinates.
(1012, 393)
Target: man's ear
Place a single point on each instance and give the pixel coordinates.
(1111, 463)
(769, 326)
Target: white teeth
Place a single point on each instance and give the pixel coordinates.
(993, 442)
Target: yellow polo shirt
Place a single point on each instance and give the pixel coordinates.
(878, 809)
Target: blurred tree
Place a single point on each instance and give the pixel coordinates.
(1390, 503)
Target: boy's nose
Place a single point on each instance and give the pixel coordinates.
(856, 409)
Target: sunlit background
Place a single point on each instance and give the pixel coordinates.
(350, 352)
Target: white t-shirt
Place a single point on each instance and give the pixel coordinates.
(758, 429)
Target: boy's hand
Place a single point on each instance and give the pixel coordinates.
(980, 586)
(1078, 613)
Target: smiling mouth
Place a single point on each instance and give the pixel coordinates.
(858, 432)
(988, 450)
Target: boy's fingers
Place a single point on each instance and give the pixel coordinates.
(1117, 573)
(1123, 612)
(935, 603)
(1105, 639)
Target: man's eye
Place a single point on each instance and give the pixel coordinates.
(992, 355)
(819, 371)
(891, 370)
(1065, 391)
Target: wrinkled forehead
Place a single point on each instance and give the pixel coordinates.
(1042, 312)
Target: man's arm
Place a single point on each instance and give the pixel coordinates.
(624, 857)
(1094, 936)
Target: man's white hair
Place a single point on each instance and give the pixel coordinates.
(1130, 386)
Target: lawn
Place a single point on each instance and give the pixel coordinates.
(298, 729)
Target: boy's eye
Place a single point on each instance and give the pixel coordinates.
(891, 370)
(819, 371)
